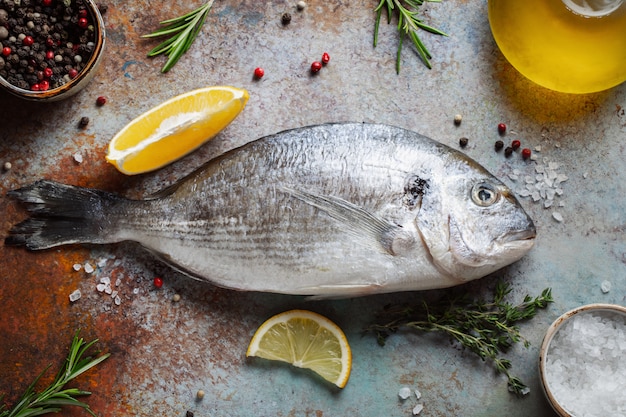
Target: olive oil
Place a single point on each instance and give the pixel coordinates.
(572, 46)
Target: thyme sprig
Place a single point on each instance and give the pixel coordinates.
(409, 24)
(486, 328)
(184, 30)
(55, 395)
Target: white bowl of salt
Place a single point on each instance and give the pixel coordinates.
(582, 363)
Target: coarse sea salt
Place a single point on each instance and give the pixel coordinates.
(586, 366)
(404, 393)
(75, 295)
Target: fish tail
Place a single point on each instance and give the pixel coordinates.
(62, 214)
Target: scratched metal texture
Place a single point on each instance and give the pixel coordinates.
(163, 352)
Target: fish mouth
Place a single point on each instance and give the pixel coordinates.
(528, 234)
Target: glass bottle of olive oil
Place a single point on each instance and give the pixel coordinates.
(571, 46)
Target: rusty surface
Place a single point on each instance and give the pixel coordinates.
(163, 352)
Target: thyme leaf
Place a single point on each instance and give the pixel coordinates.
(486, 328)
(51, 399)
(183, 30)
(409, 24)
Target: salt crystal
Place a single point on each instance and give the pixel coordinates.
(117, 300)
(102, 262)
(78, 158)
(101, 287)
(538, 148)
(523, 193)
(418, 394)
(585, 367)
(513, 177)
(77, 267)
(585, 175)
(557, 216)
(605, 286)
(114, 294)
(88, 268)
(118, 282)
(75, 295)
(404, 393)
(417, 409)
(536, 196)
(540, 169)
(105, 280)
(548, 203)
(533, 157)
(558, 191)
(135, 291)
(529, 180)
(108, 290)
(553, 165)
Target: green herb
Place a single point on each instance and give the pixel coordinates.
(184, 29)
(409, 25)
(55, 396)
(486, 328)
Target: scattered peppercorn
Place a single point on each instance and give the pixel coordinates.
(189, 414)
(463, 142)
(7, 166)
(516, 144)
(501, 128)
(259, 73)
(508, 151)
(176, 298)
(84, 121)
(158, 282)
(101, 101)
(325, 58)
(499, 145)
(301, 5)
(286, 18)
(200, 394)
(316, 66)
(526, 153)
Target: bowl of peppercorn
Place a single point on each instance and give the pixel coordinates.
(50, 48)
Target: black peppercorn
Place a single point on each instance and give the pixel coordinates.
(189, 414)
(463, 142)
(84, 121)
(499, 145)
(508, 151)
(286, 18)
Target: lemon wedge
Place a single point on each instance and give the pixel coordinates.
(305, 340)
(174, 128)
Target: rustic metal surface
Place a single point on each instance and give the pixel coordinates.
(163, 352)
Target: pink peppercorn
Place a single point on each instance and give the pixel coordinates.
(501, 128)
(316, 66)
(526, 153)
(101, 101)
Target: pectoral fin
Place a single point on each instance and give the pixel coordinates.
(391, 238)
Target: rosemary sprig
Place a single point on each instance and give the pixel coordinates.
(55, 396)
(409, 25)
(487, 328)
(184, 30)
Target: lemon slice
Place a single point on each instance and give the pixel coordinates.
(305, 340)
(174, 128)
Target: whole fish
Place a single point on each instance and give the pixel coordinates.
(334, 210)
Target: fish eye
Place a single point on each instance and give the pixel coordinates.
(484, 194)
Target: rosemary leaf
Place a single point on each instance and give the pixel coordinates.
(183, 30)
(408, 24)
(54, 396)
(485, 327)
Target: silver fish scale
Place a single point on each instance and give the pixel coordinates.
(236, 208)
